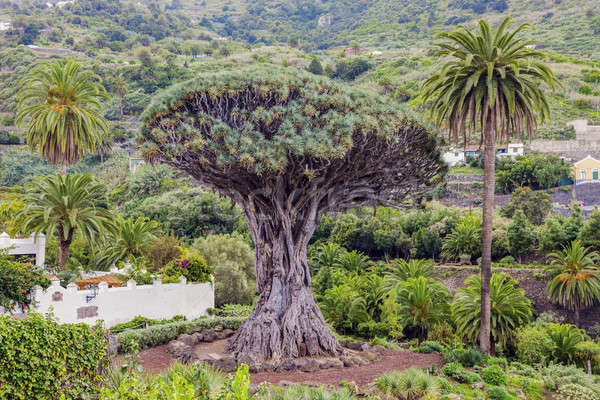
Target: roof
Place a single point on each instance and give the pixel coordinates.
(108, 278)
(586, 158)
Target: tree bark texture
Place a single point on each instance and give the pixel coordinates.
(486, 255)
(64, 247)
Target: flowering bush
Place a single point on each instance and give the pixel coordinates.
(16, 281)
(193, 267)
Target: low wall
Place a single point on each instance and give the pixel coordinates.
(573, 149)
(117, 305)
(535, 290)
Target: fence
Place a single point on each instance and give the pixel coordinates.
(117, 305)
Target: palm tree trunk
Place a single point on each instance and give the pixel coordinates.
(486, 256)
(576, 315)
(63, 168)
(121, 106)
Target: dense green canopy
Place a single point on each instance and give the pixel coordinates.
(234, 129)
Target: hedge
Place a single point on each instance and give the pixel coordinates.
(161, 334)
(42, 359)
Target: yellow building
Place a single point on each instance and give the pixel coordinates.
(586, 170)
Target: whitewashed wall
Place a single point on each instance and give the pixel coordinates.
(117, 305)
(33, 245)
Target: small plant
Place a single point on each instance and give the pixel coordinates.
(412, 384)
(238, 387)
(497, 393)
(494, 375)
(430, 347)
(459, 373)
(575, 392)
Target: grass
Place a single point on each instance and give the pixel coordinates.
(465, 170)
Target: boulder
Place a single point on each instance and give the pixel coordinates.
(198, 337)
(358, 346)
(324, 364)
(307, 365)
(478, 385)
(226, 364)
(286, 365)
(174, 346)
(347, 361)
(209, 336)
(379, 349)
(187, 339)
(336, 363)
(267, 367)
(227, 333)
(359, 361)
(369, 355)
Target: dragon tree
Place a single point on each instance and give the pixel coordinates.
(287, 147)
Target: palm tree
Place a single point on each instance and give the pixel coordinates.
(576, 281)
(120, 87)
(423, 302)
(510, 308)
(491, 85)
(63, 107)
(398, 271)
(66, 205)
(130, 238)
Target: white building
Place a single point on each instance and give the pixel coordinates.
(33, 246)
(512, 150)
(454, 157)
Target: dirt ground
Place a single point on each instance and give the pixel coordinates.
(156, 360)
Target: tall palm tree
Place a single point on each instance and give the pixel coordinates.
(576, 281)
(492, 86)
(62, 106)
(130, 238)
(120, 87)
(66, 205)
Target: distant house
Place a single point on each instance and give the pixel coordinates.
(586, 170)
(454, 157)
(352, 51)
(512, 150)
(134, 163)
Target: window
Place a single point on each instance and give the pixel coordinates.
(456, 154)
(595, 174)
(582, 174)
(515, 149)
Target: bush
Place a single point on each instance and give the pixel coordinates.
(468, 357)
(459, 373)
(232, 310)
(161, 334)
(497, 393)
(16, 281)
(410, 384)
(534, 345)
(373, 329)
(576, 392)
(193, 267)
(41, 359)
(429, 347)
(494, 375)
(140, 322)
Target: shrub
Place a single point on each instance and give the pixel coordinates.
(497, 393)
(468, 357)
(232, 310)
(373, 329)
(16, 281)
(534, 345)
(41, 359)
(413, 384)
(161, 334)
(565, 339)
(494, 375)
(444, 333)
(140, 322)
(576, 392)
(193, 267)
(429, 347)
(459, 373)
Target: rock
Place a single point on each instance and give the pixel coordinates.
(187, 339)
(198, 337)
(453, 396)
(214, 356)
(307, 365)
(336, 363)
(369, 355)
(209, 336)
(324, 364)
(359, 361)
(287, 365)
(267, 367)
(221, 335)
(284, 383)
(358, 346)
(478, 385)
(226, 364)
(174, 346)
(379, 349)
(347, 361)
(227, 333)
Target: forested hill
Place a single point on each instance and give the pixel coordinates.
(566, 26)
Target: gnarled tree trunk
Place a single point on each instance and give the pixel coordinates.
(286, 321)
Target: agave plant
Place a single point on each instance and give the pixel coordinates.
(206, 380)
(576, 281)
(412, 384)
(510, 308)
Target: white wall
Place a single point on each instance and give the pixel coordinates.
(454, 157)
(31, 245)
(117, 305)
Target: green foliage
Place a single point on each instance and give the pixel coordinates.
(427, 243)
(161, 334)
(497, 393)
(232, 310)
(140, 322)
(457, 372)
(510, 308)
(590, 232)
(399, 271)
(192, 266)
(17, 279)
(233, 261)
(315, 66)
(572, 391)
(429, 347)
(558, 231)
(534, 345)
(238, 386)
(536, 171)
(412, 384)
(521, 236)
(161, 250)
(494, 375)
(565, 340)
(534, 205)
(469, 357)
(465, 238)
(42, 359)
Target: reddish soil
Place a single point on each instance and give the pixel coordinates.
(156, 360)
(392, 361)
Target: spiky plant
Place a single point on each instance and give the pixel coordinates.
(510, 308)
(492, 84)
(61, 105)
(412, 384)
(399, 271)
(576, 280)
